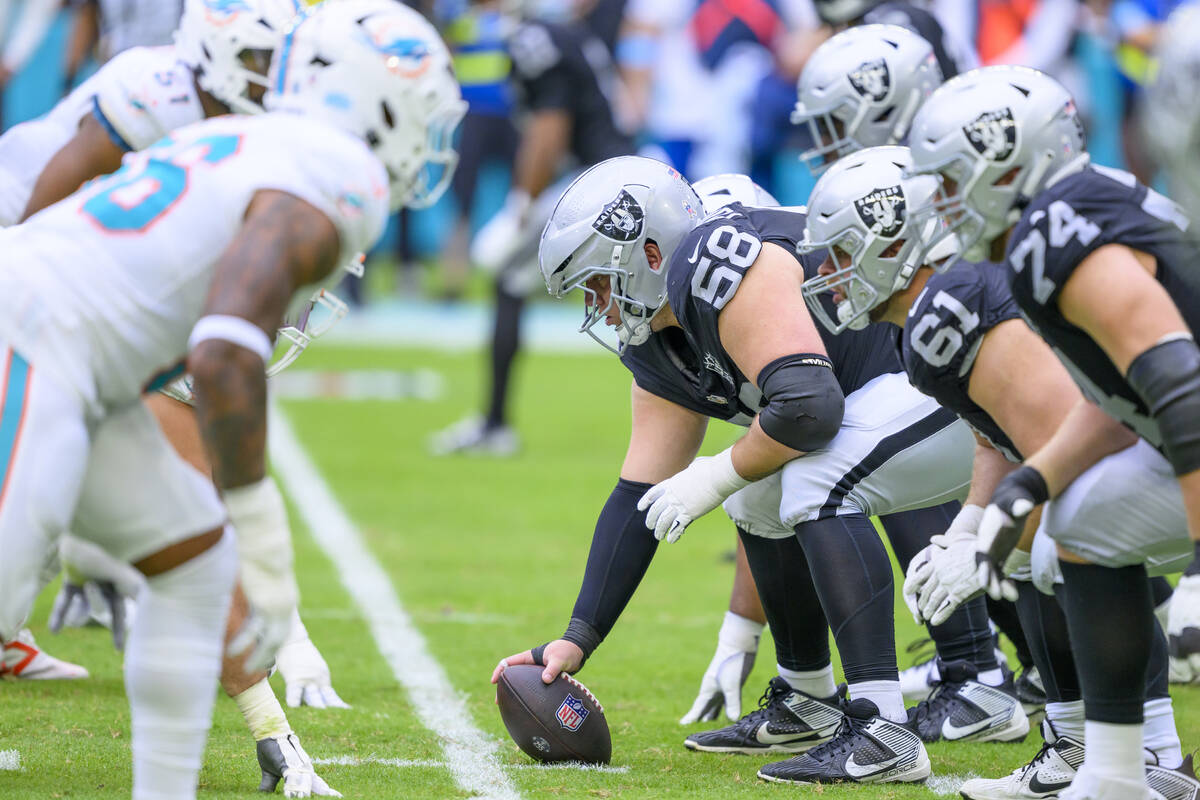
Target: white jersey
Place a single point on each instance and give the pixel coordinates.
(139, 97)
(103, 288)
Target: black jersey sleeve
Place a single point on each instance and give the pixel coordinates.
(942, 337)
(1075, 217)
(537, 59)
(707, 268)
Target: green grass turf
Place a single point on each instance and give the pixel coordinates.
(486, 556)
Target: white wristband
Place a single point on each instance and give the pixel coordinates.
(740, 633)
(726, 478)
(234, 330)
(966, 521)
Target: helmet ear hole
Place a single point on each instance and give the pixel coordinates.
(388, 119)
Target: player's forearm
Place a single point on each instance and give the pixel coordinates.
(756, 455)
(743, 599)
(989, 468)
(90, 153)
(231, 406)
(543, 146)
(621, 551)
(1087, 435)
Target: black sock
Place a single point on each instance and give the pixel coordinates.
(1049, 643)
(789, 600)
(1110, 616)
(853, 578)
(1161, 590)
(506, 341)
(1004, 614)
(965, 636)
(1194, 567)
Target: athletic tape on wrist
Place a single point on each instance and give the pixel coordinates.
(583, 634)
(235, 330)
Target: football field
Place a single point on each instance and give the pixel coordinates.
(462, 561)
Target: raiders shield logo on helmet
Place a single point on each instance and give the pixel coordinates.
(621, 220)
(882, 211)
(871, 79)
(993, 134)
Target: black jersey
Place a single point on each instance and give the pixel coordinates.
(563, 68)
(945, 328)
(1060, 228)
(690, 367)
(922, 23)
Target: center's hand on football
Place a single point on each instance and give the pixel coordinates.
(690, 494)
(557, 656)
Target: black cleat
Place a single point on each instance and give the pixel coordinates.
(787, 721)
(963, 709)
(866, 749)
(1174, 784)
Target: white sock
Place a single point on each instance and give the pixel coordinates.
(885, 695)
(818, 683)
(264, 716)
(1114, 751)
(991, 677)
(1159, 735)
(1067, 718)
(172, 664)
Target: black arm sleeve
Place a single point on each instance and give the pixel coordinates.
(805, 404)
(622, 548)
(1167, 378)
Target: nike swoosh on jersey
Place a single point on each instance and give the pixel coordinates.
(952, 731)
(695, 253)
(855, 770)
(1037, 786)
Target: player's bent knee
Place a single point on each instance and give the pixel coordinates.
(805, 403)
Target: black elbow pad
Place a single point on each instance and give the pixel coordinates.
(1167, 378)
(804, 401)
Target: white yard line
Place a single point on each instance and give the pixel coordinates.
(470, 754)
(947, 785)
(358, 761)
(10, 760)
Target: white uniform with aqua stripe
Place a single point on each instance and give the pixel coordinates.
(98, 295)
(138, 97)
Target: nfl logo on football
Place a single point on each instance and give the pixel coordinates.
(571, 713)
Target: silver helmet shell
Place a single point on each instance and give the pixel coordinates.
(600, 227)
(860, 211)
(718, 191)
(861, 88)
(996, 136)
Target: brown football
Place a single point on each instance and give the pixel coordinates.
(561, 721)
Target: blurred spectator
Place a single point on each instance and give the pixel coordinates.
(103, 28)
(693, 69)
(21, 38)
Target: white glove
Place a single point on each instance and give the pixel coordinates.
(495, 242)
(690, 494)
(737, 645)
(955, 578)
(282, 757)
(264, 544)
(997, 522)
(920, 569)
(305, 671)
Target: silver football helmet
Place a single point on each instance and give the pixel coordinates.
(996, 136)
(860, 211)
(1170, 116)
(861, 88)
(718, 191)
(600, 226)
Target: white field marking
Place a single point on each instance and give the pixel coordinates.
(470, 754)
(947, 785)
(356, 761)
(10, 760)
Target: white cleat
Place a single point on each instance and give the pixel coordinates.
(1183, 631)
(472, 436)
(24, 660)
(1089, 786)
(1046, 775)
(1173, 784)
